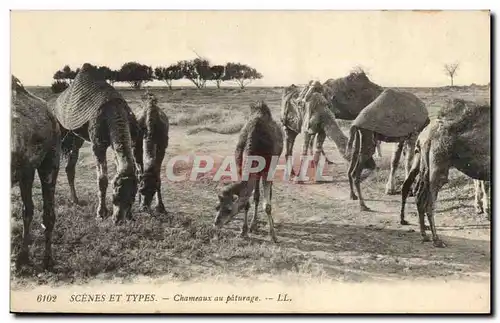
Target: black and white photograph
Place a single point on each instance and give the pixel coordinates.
(250, 161)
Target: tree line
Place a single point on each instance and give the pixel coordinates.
(199, 71)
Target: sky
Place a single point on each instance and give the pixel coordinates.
(396, 48)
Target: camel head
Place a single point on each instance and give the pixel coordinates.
(149, 99)
(124, 191)
(229, 204)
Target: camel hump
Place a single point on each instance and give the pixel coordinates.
(393, 114)
(80, 101)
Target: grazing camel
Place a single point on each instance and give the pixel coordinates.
(460, 138)
(35, 147)
(154, 126)
(393, 117)
(260, 137)
(92, 110)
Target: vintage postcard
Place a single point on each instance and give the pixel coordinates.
(250, 161)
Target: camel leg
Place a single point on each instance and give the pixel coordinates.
(308, 137)
(160, 207)
(72, 160)
(102, 176)
(267, 207)
(320, 140)
(48, 173)
(421, 222)
(409, 152)
(244, 227)
(478, 196)
(377, 147)
(486, 198)
(254, 225)
(396, 156)
(290, 136)
(353, 165)
(439, 169)
(366, 151)
(26, 185)
(406, 189)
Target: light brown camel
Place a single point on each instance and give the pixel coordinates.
(35, 147)
(261, 137)
(154, 126)
(460, 138)
(395, 116)
(292, 114)
(346, 97)
(92, 110)
(482, 188)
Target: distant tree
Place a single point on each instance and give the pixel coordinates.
(135, 74)
(218, 72)
(58, 86)
(65, 74)
(196, 70)
(241, 74)
(107, 74)
(169, 74)
(451, 70)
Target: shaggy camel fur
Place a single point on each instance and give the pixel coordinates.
(108, 121)
(35, 147)
(460, 138)
(260, 137)
(482, 197)
(376, 122)
(154, 126)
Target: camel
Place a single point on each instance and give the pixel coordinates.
(395, 116)
(260, 136)
(154, 126)
(92, 110)
(482, 188)
(460, 138)
(346, 98)
(292, 112)
(35, 147)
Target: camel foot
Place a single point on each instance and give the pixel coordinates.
(353, 197)
(438, 243)
(425, 239)
(102, 212)
(404, 222)
(479, 211)
(244, 233)
(22, 260)
(390, 191)
(274, 238)
(364, 208)
(254, 227)
(48, 263)
(160, 208)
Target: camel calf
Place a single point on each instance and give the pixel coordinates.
(261, 136)
(154, 126)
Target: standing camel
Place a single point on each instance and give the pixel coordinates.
(35, 147)
(92, 110)
(347, 97)
(154, 126)
(460, 138)
(261, 136)
(395, 116)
